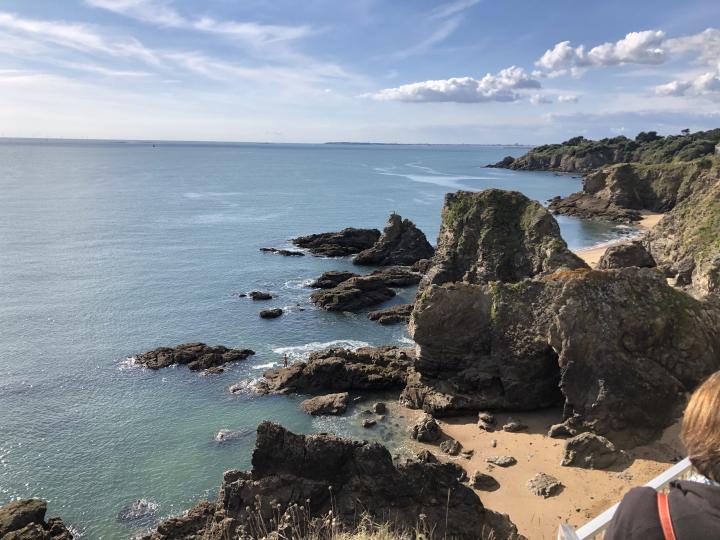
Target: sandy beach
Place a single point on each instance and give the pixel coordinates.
(586, 494)
(592, 255)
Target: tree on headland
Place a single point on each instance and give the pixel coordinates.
(685, 132)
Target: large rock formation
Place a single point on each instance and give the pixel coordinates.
(496, 235)
(338, 244)
(399, 313)
(619, 192)
(340, 370)
(296, 479)
(353, 293)
(401, 243)
(619, 347)
(686, 242)
(196, 356)
(25, 520)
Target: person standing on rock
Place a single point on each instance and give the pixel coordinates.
(691, 508)
(285, 360)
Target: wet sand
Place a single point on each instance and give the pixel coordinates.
(592, 255)
(587, 493)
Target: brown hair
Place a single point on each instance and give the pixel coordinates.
(701, 428)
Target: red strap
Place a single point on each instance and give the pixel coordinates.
(665, 520)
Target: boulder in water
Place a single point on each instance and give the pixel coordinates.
(196, 356)
(338, 244)
(329, 404)
(401, 243)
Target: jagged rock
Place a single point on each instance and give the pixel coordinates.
(625, 255)
(544, 485)
(504, 346)
(685, 242)
(368, 423)
(399, 313)
(486, 421)
(591, 451)
(484, 482)
(496, 235)
(401, 243)
(426, 456)
(260, 295)
(283, 252)
(338, 244)
(197, 356)
(139, 510)
(379, 408)
(422, 266)
(560, 431)
(25, 520)
(329, 404)
(514, 427)
(341, 370)
(501, 461)
(273, 313)
(451, 447)
(354, 294)
(332, 279)
(323, 472)
(426, 429)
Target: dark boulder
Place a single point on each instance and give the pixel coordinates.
(25, 520)
(341, 370)
(484, 482)
(338, 244)
(354, 294)
(332, 279)
(329, 404)
(273, 313)
(451, 447)
(496, 235)
(626, 255)
(322, 473)
(426, 430)
(196, 356)
(401, 243)
(260, 295)
(399, 313)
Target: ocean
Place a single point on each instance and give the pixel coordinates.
(109, 249)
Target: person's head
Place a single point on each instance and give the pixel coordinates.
(701, 428)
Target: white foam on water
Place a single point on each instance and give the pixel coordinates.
(212, 194)
(246, 386)
(266, 366)
(298, 284)
(406, 340)
(129, 363)
(303, 351)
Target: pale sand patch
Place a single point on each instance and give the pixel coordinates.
(587, 493)
(592, 255)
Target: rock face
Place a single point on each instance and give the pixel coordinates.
(401, 243)
(591, 451)
(330, 404)
(399, 313)
(619, 347)
(625, 255)
(338, 244)
(25, 520)
(360, 292)
(341, 370)
(619, 192)
(323, 472)
(686, 242)
(196, 356)
(496, 235)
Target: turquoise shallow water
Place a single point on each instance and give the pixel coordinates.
(109, 249)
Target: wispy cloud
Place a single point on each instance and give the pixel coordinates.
(444, 31)
(162, 14)
(446, 10)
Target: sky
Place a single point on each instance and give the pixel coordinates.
(396, 71)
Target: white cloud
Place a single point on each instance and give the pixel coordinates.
(705, 43)
(568, 99)
(635, 48)
(502, 86)
(160, 13)
(702, 85)
(539, 99)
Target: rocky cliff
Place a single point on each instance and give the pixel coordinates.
(496, 235)
(297, 481)
(619, 348)
(25, 520)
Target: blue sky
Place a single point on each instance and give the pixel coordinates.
(461, 71)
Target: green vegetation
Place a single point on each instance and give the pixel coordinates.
(647, 147)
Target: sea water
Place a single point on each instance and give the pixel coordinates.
(109, 249)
